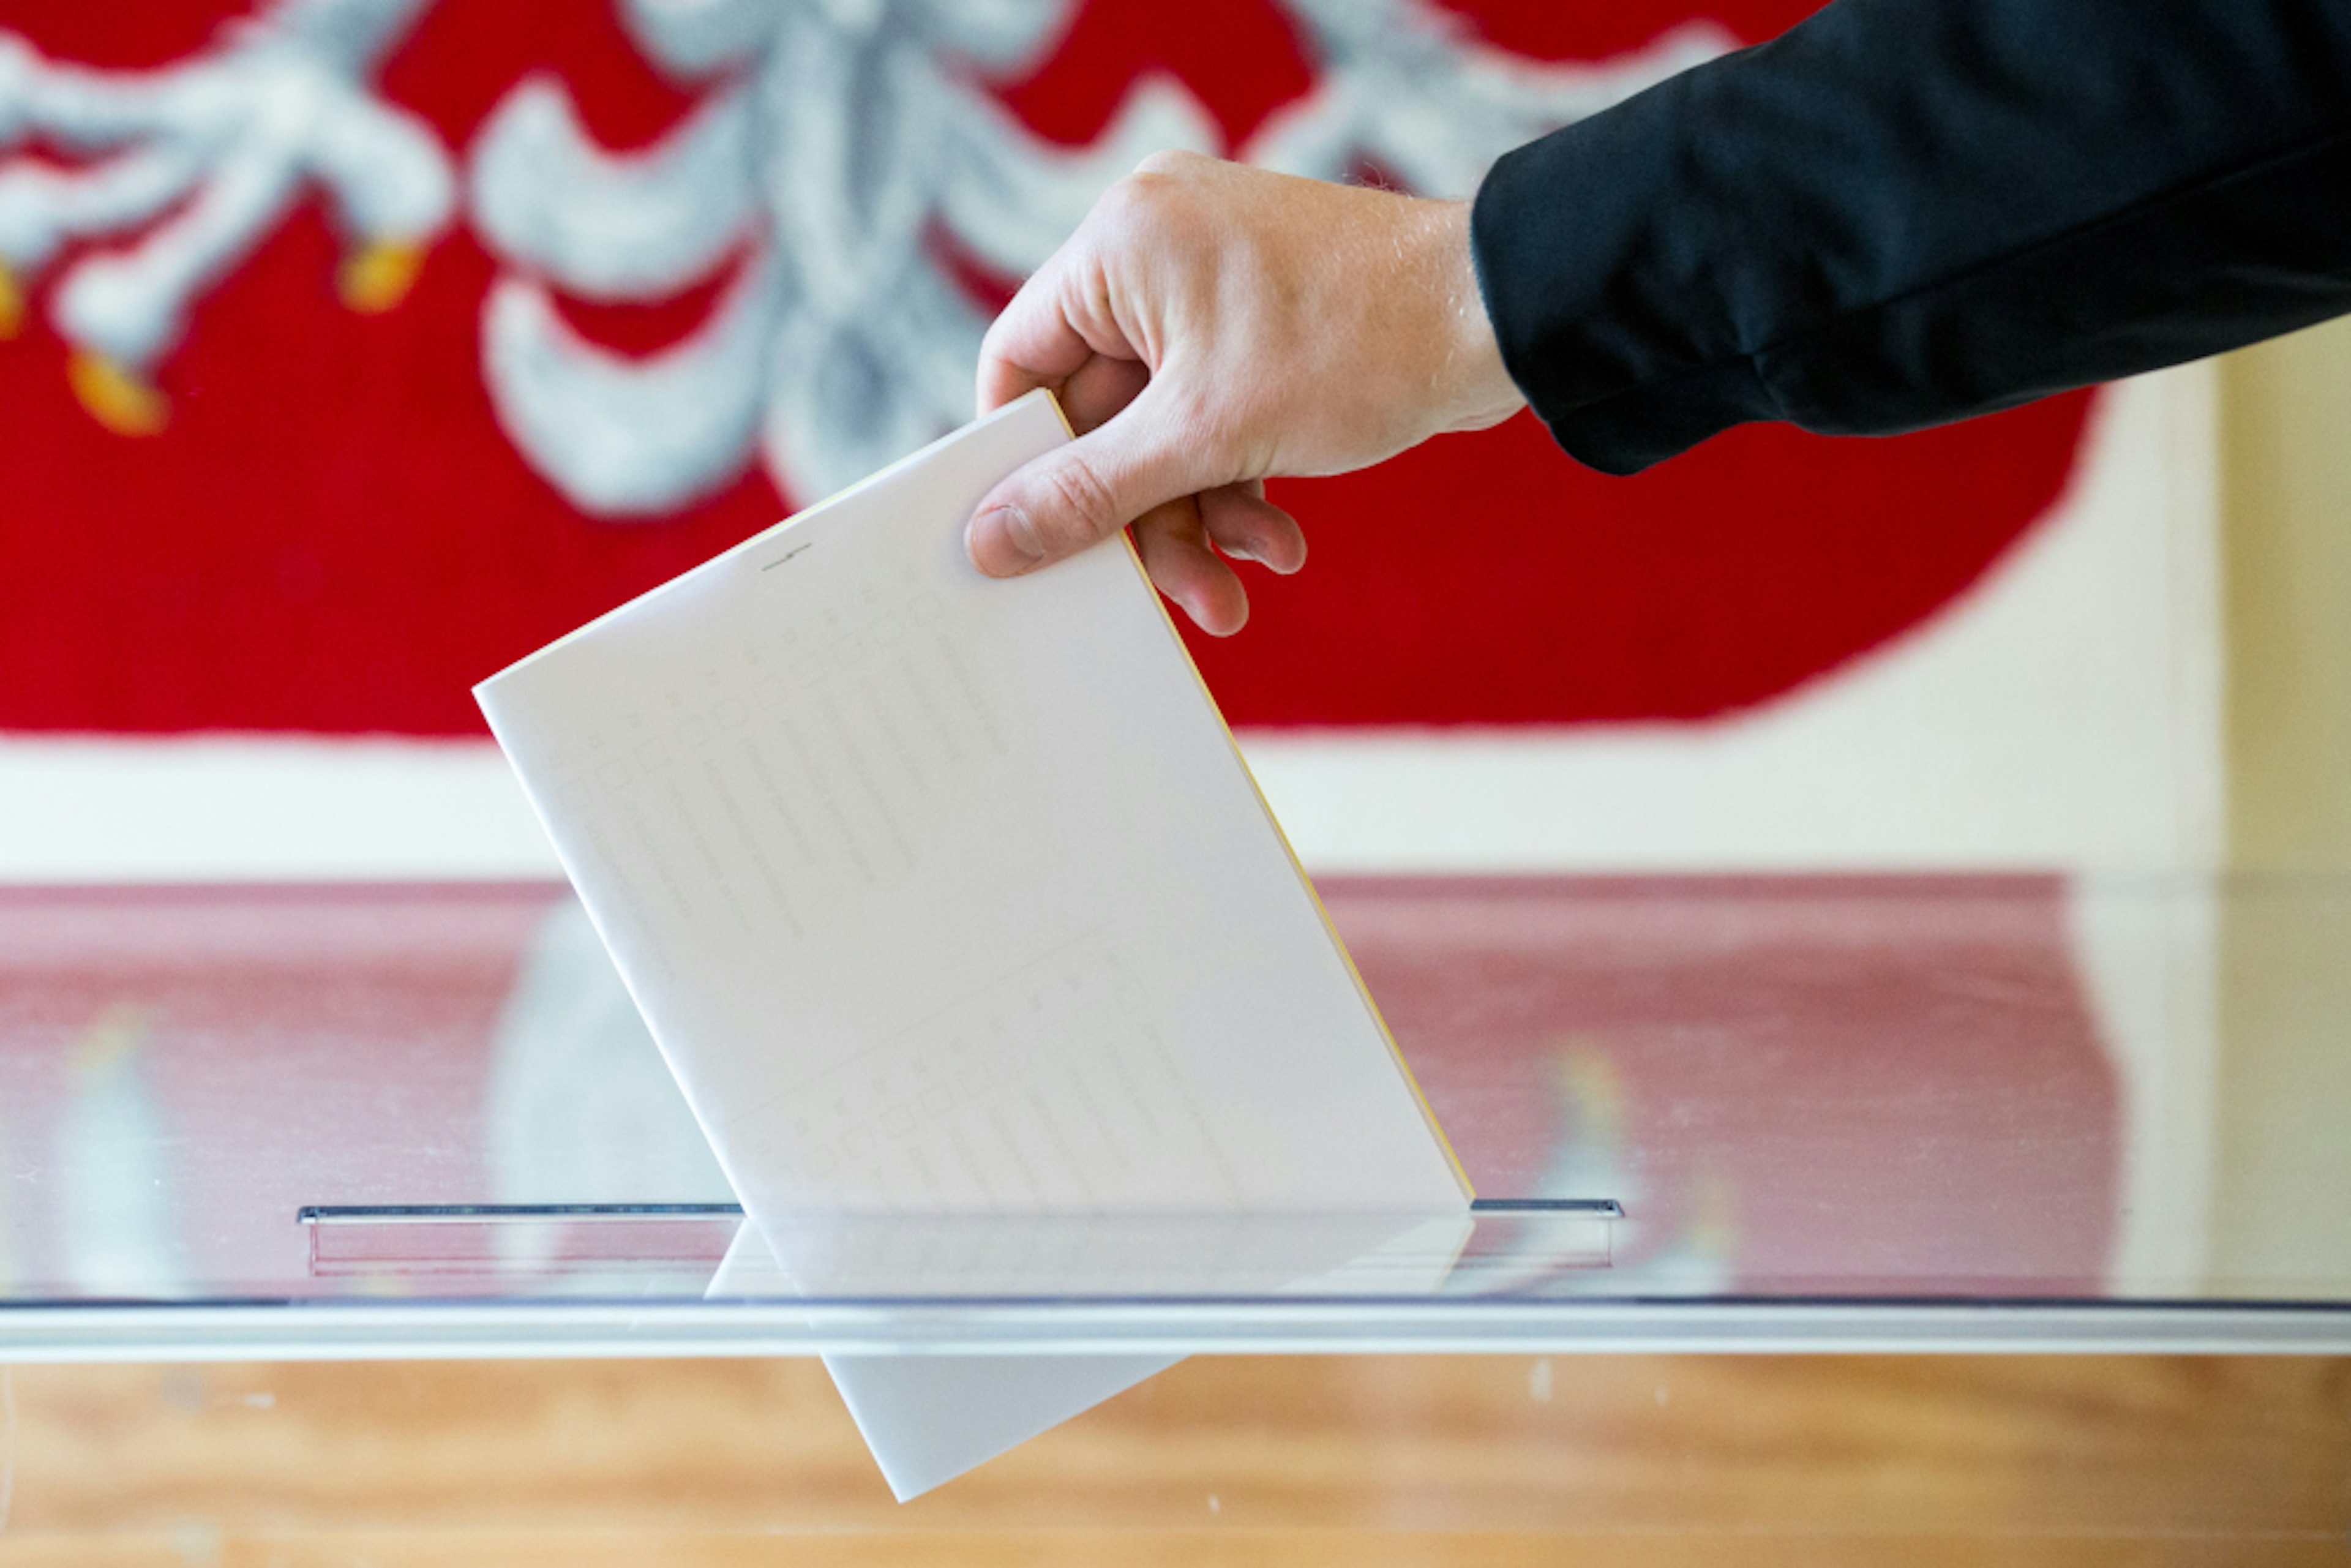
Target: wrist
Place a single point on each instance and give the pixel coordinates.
(1474, 385)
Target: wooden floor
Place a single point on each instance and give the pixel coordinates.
(1344, 1462)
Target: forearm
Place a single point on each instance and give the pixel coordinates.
(1904, 211)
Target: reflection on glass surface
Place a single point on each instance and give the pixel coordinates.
(1801, 1088)
(1793, 1086)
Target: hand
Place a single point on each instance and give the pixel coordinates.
(1209, 327)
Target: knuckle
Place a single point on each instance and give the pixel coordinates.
(1170, 161)
(1152, 191)
(991, 347)
(1127, 204)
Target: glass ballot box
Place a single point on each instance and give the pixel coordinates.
(1914, 1112)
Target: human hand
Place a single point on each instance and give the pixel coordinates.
(1209, 327)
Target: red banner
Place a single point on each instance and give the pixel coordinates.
(313, 517)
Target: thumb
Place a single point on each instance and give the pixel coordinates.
(1081, 494)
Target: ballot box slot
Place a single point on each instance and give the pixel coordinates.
(551, 1239)
(1503, 1244)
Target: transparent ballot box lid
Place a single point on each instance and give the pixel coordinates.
(1700, 1112)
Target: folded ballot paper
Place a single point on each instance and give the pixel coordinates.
(948, 897)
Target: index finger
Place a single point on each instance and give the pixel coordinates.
(1044, 337)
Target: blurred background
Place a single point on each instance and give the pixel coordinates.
(359, 347)
(352, 349)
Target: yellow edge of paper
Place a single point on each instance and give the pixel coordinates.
(1362, 991)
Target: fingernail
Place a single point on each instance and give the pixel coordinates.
(1003, 541)
(1263, 552)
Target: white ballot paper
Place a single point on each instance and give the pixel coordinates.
(947, 895)
(929, 1418)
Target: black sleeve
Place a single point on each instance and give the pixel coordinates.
(1904, 211)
